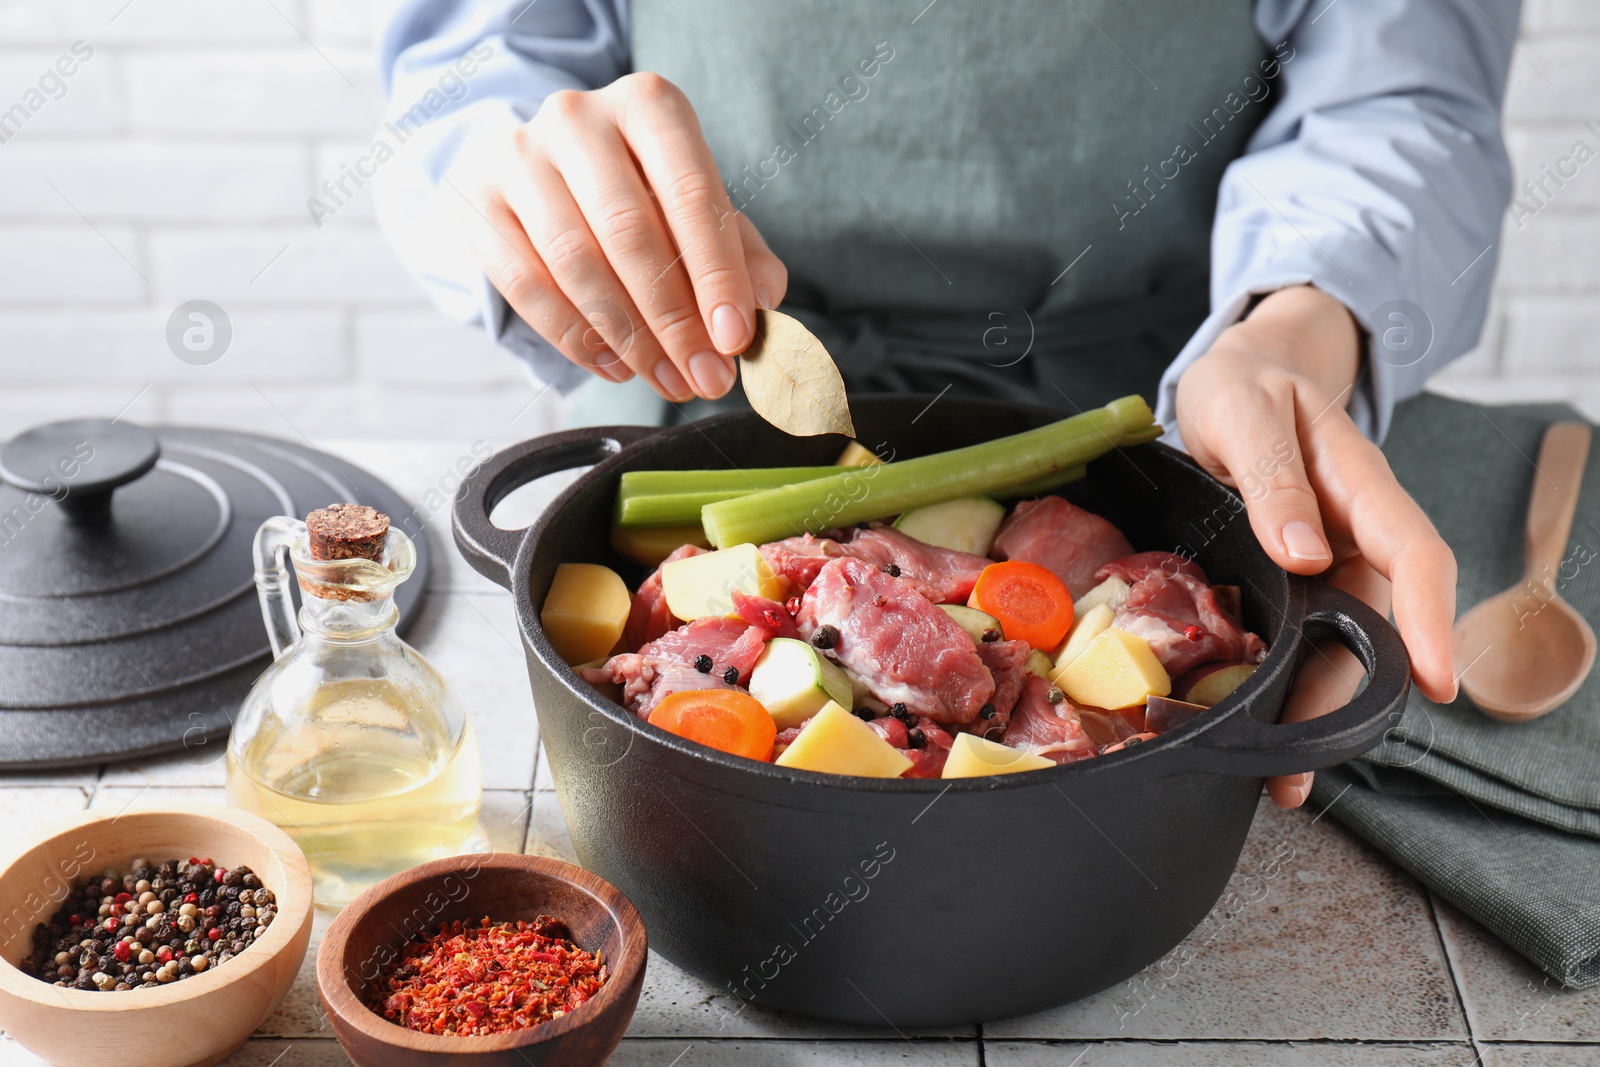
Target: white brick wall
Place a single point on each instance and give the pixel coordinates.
(178, 162)
(1543, 340)
(176, 166)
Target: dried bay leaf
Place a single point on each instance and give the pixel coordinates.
(791, 381)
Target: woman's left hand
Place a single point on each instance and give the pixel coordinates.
(1264, 411)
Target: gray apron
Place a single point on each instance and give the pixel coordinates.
(1010, 199)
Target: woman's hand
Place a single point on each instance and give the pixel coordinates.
(605, 225)
(1264, 411)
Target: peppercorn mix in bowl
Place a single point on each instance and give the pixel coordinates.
(443, 964)
(156, 924)
(196, 997)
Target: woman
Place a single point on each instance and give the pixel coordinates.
(1298, 198)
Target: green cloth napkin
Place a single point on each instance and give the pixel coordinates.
(1501, 820)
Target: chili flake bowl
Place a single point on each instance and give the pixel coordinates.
(369, 934)
(198, 1021)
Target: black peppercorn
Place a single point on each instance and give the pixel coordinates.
(991, 635)
(826, 637)
(864, 714)
(988, 711)
(863, 525)
(1054, 695)
(893, 569)
(702, 663)
(731, 676)
(916, 738)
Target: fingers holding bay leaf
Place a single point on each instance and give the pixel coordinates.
(791, 381)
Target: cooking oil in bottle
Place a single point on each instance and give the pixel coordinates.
(361, 794)
(350, 741)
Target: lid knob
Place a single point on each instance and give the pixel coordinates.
(79, 463)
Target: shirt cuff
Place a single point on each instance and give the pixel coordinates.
(420, 210)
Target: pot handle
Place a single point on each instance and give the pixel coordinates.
(1244, 745)
(488, 548)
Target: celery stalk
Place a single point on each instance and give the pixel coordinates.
(655, 483)
(674, 498)
(670, 509)
(873, 492)
(1056, 479)
(1141, 436)
(679, 509)
(1053, 480)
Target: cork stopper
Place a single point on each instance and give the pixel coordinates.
(347, 531)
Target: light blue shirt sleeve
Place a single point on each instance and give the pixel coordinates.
(1380, 176)
(461, 76)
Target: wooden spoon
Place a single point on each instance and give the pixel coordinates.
(1525, 651)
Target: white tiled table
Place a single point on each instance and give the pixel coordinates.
(1344, 961)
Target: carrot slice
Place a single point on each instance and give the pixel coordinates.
(1032, 604)
(723, 719)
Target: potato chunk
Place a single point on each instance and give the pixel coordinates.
(856, 454)
(1111, 592)
(704, 584)
(976, 757)
(652, 544)
(1117, 670)
(837, 742)
(585, 611)
(1090, 625)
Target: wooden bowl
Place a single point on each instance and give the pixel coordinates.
(505, 887)
(197, 1021)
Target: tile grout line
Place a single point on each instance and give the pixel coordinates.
(531, 797)
(1088, 1042)
(1294, 1042)
(94, 786)
(1450, 969)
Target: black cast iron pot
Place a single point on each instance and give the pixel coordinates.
(920, 902)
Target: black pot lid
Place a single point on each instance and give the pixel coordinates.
(128, 615)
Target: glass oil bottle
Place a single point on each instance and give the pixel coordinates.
(350, 741)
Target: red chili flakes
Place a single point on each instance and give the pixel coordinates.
(487, 978)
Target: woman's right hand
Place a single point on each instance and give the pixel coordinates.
(605, 225)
